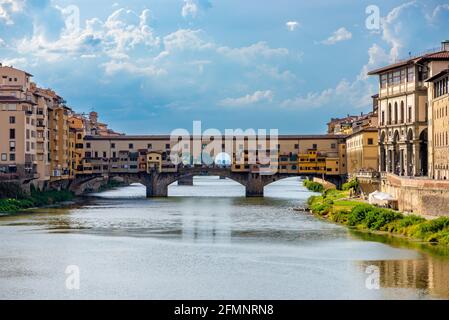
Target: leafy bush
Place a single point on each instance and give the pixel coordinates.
(313, 186)
(36, 199)
(433, 226)
(358, 214)
(353, 184)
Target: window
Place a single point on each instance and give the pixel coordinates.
(131, 146)
(333, 146)
(12, 133)
(4, 157)
(370, 141)
(315, 146)
(112, 145)
(383, 81)
(296, 146)
(12, 146)
(104, 154)
(150, 146)
(12, 157)
(88, 145)
(167, 146)
(12, 120)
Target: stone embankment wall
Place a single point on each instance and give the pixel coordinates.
(326, 184)
(419, 196)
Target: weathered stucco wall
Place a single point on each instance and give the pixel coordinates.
(419, 196)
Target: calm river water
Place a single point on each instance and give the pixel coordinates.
(207, 242)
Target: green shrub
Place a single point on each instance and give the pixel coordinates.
(358, 214)
(313, 186)
(353, 184)
(340, 216)
(433, 226)
(36, 199)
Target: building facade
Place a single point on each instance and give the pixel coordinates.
(439, 126)
(362, 151)
(403, 112)
(320, 154)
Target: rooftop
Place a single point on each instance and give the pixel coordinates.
(167, 137)
(438, 75)
(439, 55)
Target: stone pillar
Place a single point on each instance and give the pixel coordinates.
(254, 186)
(156, 186)
(187, 181)
(416, 160)
(401, 162)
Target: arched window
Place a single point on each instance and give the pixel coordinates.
(389, 114)
(396, 113)
(402, 112)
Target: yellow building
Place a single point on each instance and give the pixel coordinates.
(439, 126)
(362, 151)
(154, 161)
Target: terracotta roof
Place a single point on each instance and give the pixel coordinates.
(438, 75)
(440, 55)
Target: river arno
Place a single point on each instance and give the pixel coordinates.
(206, 242)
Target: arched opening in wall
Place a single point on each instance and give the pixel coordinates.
(396, 154)
(423, 152)
(383, 152)
(291, 188)
(206, 186)
(409, 160)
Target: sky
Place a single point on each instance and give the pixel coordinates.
(152, 66)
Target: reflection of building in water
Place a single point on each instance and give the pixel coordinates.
(206, 227)
(427, 274)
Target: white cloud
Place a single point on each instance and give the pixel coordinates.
(356, 94)
(113, 67)
(189, 8)
(122, 32)
(292, 25)
(184, 39)
(249, 99)
(9, 7)
(250, 53)
(437, 12)
(340, 35)
(16, 62)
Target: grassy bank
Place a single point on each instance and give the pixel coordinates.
(335, 205)
(36, 199)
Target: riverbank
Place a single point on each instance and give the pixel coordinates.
(35, 200)
(338, 207)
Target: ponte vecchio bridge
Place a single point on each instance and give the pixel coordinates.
(247, 160)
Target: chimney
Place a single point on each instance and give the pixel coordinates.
(445, 45)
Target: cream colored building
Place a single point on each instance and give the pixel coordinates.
(362, 151)
(17, 125)
(403, 112)
(439, 126)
